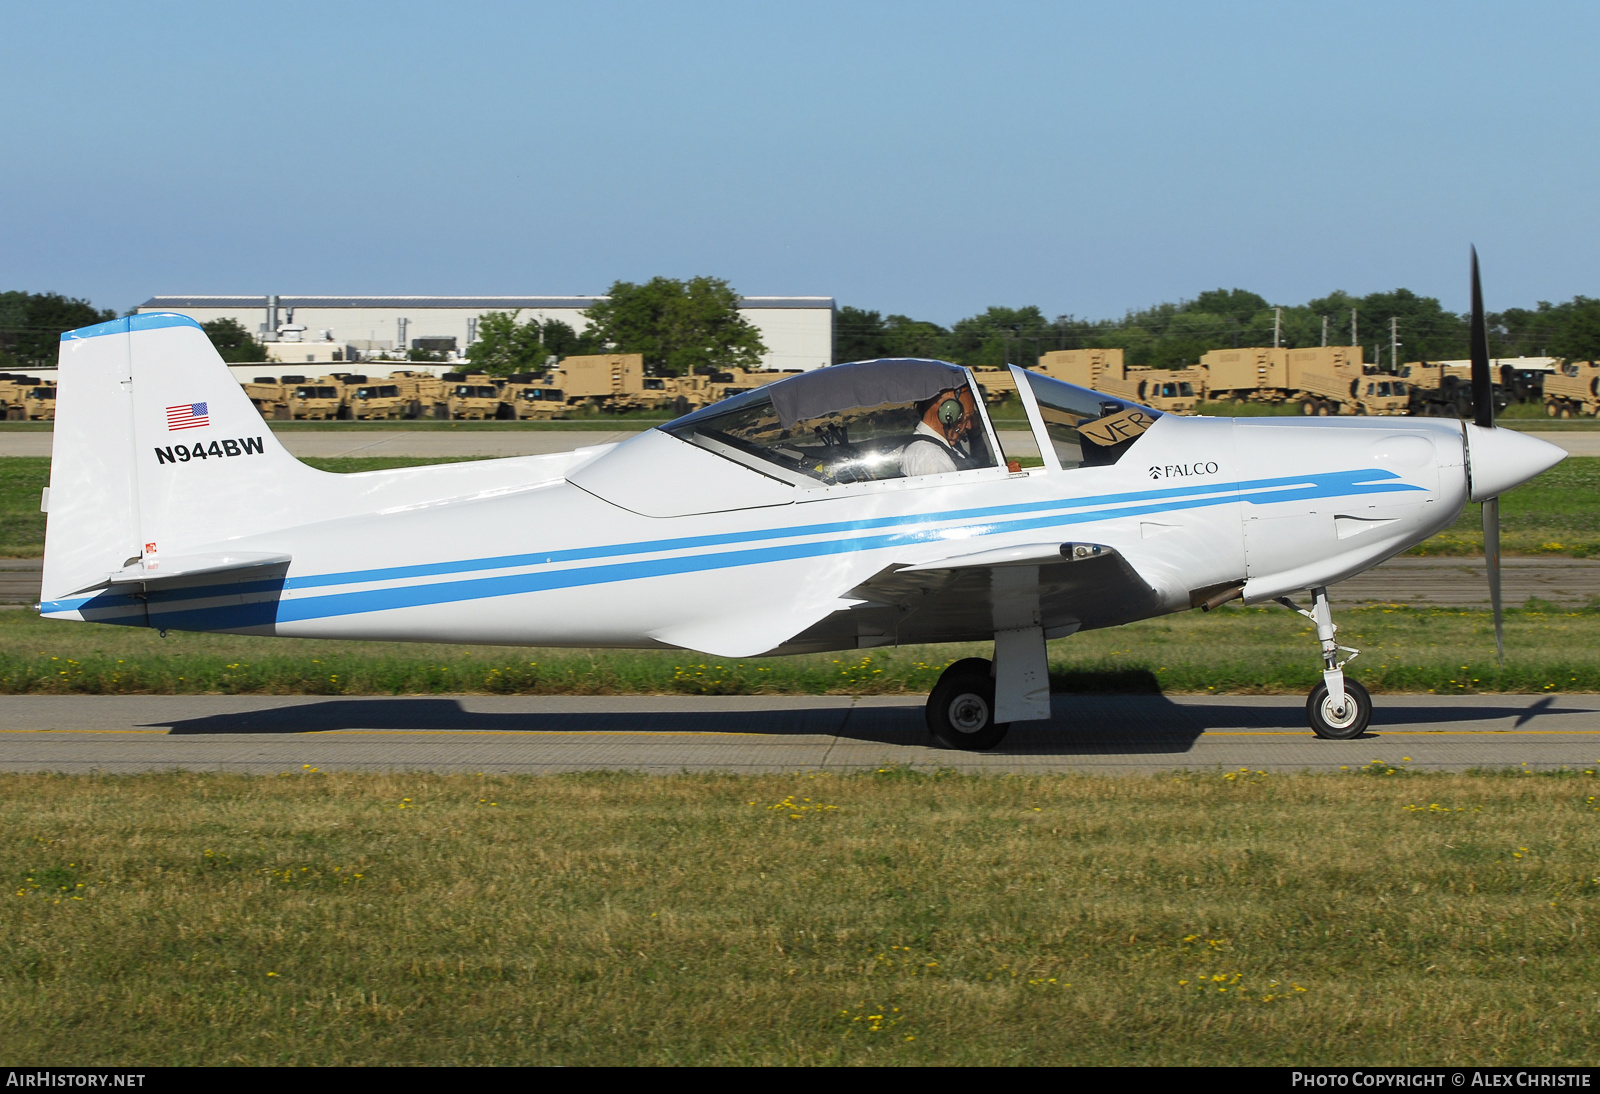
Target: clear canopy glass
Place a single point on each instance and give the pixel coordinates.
(859, 422)
(1086, 428)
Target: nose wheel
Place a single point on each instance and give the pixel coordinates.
(1339, 721)
(960, 710)
(1337, 709)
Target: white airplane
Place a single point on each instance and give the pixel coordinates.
(856, 506)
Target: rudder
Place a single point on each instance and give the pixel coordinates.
(157, 452)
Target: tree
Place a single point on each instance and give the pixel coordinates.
(999, 336)
(1568, 330)
(858, 335)
(233, 342)
(679, 326)
(31, 325)
(505, 347)
(1240, 305)
(1427, 331)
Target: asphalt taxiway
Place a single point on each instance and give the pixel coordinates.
(669, 734)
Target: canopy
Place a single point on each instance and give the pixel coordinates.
(861, 384)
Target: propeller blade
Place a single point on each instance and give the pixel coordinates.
(1482, 382)
(1491, 556)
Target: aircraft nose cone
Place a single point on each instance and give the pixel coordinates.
(1503, 458)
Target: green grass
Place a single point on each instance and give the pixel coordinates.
(889, 917)
(1232, 650)
(22, 483)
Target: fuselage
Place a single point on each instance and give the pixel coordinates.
(1196, 503)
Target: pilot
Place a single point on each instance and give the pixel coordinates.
(942, 442)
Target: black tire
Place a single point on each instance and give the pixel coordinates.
(981, 665)
(960, 710)
(1335, 725)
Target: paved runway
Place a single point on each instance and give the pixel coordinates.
(1104, 734)
(528, 442)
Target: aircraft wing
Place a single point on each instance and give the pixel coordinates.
(1059, 587)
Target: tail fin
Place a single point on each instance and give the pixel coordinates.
(158, 453)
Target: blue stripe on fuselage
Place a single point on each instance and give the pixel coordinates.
(1324, 485)
(164, 611)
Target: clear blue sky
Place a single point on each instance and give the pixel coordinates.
(926, 158)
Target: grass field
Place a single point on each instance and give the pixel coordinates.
(1374, 916)
(1232, 650)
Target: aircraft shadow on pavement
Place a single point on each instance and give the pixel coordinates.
(1081, 724)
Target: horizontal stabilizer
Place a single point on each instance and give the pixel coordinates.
(154, 572)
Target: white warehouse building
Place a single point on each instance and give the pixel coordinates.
(797, 330)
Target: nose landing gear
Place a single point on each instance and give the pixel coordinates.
(1338, 709)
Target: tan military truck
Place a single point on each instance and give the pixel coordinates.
(532, 396)
(1251, 374)
(1177, 390)
(996, 384)
(313, 400)
(681, 394)
(737, 381)
(1332, 380)
(14, 389)
(1321, 380)
(1573, 389)
(472, 396)
(615, 381)
(28, 399)
(422, 394)
(368, 399)
(1103, 370)
(270, 397)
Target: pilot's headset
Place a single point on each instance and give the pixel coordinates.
(950, 412)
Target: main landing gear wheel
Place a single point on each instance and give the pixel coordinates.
(1339, 723)
(960, 709)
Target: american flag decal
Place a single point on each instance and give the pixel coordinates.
(187, 416)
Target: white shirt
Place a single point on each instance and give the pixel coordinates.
(927, 457)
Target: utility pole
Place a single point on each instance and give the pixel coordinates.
(1354, 341)
(1324, 330)
(1277, 327)
(1394, 343)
